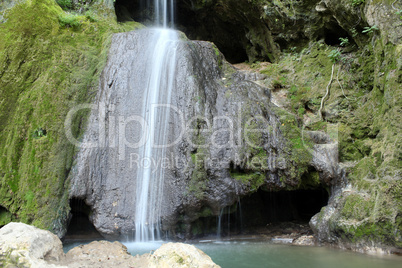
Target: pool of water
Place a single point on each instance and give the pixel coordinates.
(239, 254)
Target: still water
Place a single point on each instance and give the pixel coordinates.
(242, 254)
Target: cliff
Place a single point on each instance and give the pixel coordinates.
(51, 60)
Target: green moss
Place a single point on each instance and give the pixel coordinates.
(357, 207)
(298, 146)
(46, 69)
(254, 180)
(366, 96)
(199, 179)
(310, 180)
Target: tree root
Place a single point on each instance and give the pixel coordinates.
(326, 94)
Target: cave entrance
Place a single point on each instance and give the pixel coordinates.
(140, 11)
(270, 212)
(80, 227)
(198, 24)
(5, 216)
(332, 34)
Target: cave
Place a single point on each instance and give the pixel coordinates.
(332, 32)
(278, 211)
(5, 216)
(198, 24)
(270, 207)
(79, 226)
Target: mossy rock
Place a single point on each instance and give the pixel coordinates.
(47, 67)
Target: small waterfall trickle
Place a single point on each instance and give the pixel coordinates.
(161, 61)
(219, 229)
(240, 215)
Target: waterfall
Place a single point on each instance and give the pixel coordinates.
(219, 229)
(161, 59)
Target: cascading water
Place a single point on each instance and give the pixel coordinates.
(161, 61)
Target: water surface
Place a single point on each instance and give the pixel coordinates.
(245, 254)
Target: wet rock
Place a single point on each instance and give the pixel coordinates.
(172, 255)
(22, 245)
(103, 254)
(305, 240)
(226, 134)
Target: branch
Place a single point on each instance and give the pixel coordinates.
(326, 94)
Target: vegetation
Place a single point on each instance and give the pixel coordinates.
(371, 29)
(50, 60)
(334, 55)
(357, 2)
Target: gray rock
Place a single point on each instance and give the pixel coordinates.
(219, 105)
(305, 240)
(23, 245)
(175, 255)
(103, 254)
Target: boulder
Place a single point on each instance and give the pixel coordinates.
(22, 245)
(103, 254)
(173, 255)
(305, 240)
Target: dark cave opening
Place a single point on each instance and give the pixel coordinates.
(262, 208)
(332, 34)
(79, 226)
(197, 24)
(5, 216)
(138, 10)
(266, 212)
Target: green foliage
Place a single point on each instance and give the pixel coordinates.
(357, 2)
(253, 179)
(70, 20)
(370, 30)
(334, 55)
(91, 16)
(344, 41)
(65, 4)
(39, 133)
(399, 13)
(46, 68)
(354, 32)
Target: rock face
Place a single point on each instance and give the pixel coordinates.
(227, 140)
(172, 255)
(25, 245)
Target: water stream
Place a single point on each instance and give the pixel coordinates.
(161, 59)
(158, 93)
(254, 253)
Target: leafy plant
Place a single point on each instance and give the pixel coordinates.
(334, 55)
(344, 41)
(356, 3)
(65, 4)
(399, 13)
(370, 29)
(91, 16)
(354, 32)
(39, 133)
(70, 20)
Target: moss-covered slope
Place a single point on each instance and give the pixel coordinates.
(50, 61)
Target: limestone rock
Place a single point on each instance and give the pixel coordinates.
(208, 153)
(103, 254)
(305, 240)
(23, 245)
(172, 255)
